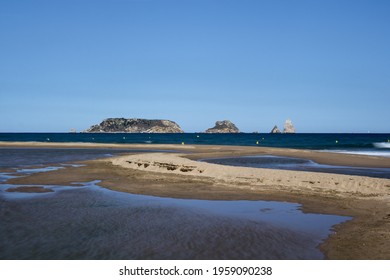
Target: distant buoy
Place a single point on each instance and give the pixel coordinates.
(257, 142)
(197, 136)
(182, 143)
(337, 141)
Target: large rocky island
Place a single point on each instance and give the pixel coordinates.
(223, 127)
(136, 126)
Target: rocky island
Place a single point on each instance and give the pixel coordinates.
(275, 130)
(223, 127)
(288, 127)
(135, 125)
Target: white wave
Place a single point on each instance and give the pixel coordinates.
(382, 145)
(367, 153)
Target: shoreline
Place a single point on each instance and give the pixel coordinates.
(208, 151)
(366, 199)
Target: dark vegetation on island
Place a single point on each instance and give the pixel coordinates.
(136, 125)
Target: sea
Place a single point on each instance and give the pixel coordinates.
(355, 143)
(85, 221)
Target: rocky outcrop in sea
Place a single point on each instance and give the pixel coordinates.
(275, 130)
(225, 126)
(135, 125)
(288, 127)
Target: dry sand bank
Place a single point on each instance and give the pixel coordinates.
(367, 236)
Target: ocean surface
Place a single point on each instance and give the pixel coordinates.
(368, 143)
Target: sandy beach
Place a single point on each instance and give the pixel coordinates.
(178, 174)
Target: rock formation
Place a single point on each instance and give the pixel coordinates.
(288, 127)
(275, 130)
(223, 127)
(136, 126)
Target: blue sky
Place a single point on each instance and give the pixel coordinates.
(70, 64)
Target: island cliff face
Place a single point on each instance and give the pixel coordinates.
(275, 130)
(136, 126)
(288, 127)
(223, 127)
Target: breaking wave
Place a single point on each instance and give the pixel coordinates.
(361, 152)
(382, 145)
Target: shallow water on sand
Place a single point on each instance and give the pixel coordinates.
(91, 222)
(19, 157)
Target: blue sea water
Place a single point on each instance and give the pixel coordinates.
(367, 143)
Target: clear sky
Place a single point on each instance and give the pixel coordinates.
(72, 63)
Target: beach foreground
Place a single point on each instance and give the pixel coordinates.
(178, 174)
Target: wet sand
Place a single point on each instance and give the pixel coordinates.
(367, 236)
(29, 189)
(298, 164)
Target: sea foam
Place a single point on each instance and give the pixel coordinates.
(361, 152)
(382, 145)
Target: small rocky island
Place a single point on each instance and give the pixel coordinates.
(275, 130)
(223, 127)
(288, 128)
(135, 125)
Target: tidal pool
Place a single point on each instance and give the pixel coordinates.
(91, 222)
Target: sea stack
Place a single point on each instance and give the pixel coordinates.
(134, 125)
(223, 127)
(288, 127)
(275, 130)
